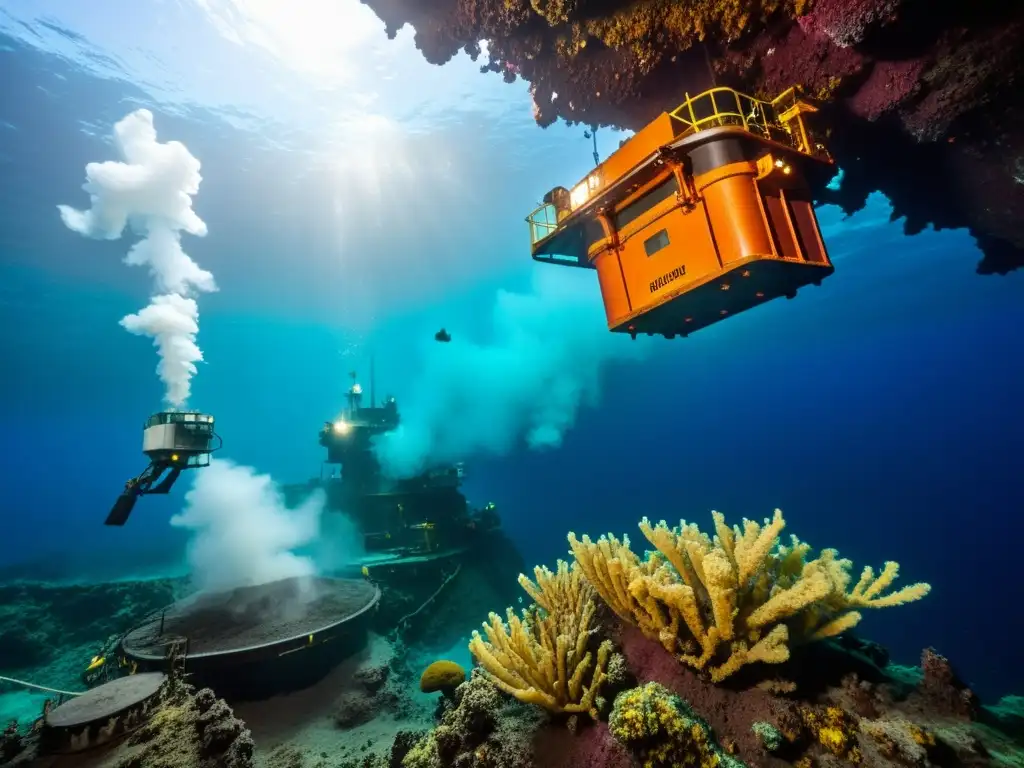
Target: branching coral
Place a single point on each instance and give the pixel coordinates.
(740, 597)
(543, 657)
(561, 591)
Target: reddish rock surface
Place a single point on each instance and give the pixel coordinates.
(730, 713)
(555, 747)
(846, 22)
(943, 691)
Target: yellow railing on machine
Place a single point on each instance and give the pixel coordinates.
(543, 221)
(779, 120)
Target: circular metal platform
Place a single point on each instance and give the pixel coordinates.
(101, 714)
(258, 625)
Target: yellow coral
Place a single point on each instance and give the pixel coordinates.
(738, 598)
(542, 658)
(559, 592)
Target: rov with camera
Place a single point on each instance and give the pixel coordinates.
(173, 441)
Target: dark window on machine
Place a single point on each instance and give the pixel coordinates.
(592, 231)
(656, 242)
(645, 202)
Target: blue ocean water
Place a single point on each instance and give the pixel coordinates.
(880, 411)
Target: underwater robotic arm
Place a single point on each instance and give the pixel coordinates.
(173, 441)
(142, 484)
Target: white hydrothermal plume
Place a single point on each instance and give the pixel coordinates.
(243, 533)
(544, 362)
(150, 191)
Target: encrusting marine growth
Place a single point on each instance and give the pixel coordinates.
(738, 598)
(664, 732)
(543, 657)
(643, 27)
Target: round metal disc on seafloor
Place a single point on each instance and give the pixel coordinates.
(101, 714)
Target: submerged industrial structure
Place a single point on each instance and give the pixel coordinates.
(704, 213)
(426, 515)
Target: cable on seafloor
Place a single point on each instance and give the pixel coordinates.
(40, 687)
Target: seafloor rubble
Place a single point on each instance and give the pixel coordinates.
(923, 100)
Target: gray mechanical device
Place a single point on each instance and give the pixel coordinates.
(172, 441)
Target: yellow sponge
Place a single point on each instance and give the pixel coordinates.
(442, 676)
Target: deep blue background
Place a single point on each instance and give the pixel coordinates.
(881, 411)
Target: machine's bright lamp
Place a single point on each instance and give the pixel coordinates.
(341, 427)
(579, 195)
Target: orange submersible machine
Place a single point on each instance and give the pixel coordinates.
(702, 214)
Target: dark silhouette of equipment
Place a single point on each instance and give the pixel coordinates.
(443, 336)
(412, 515)
(173, 441)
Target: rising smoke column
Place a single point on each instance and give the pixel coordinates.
(243, 533)
(544, 361)
(150, 191)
